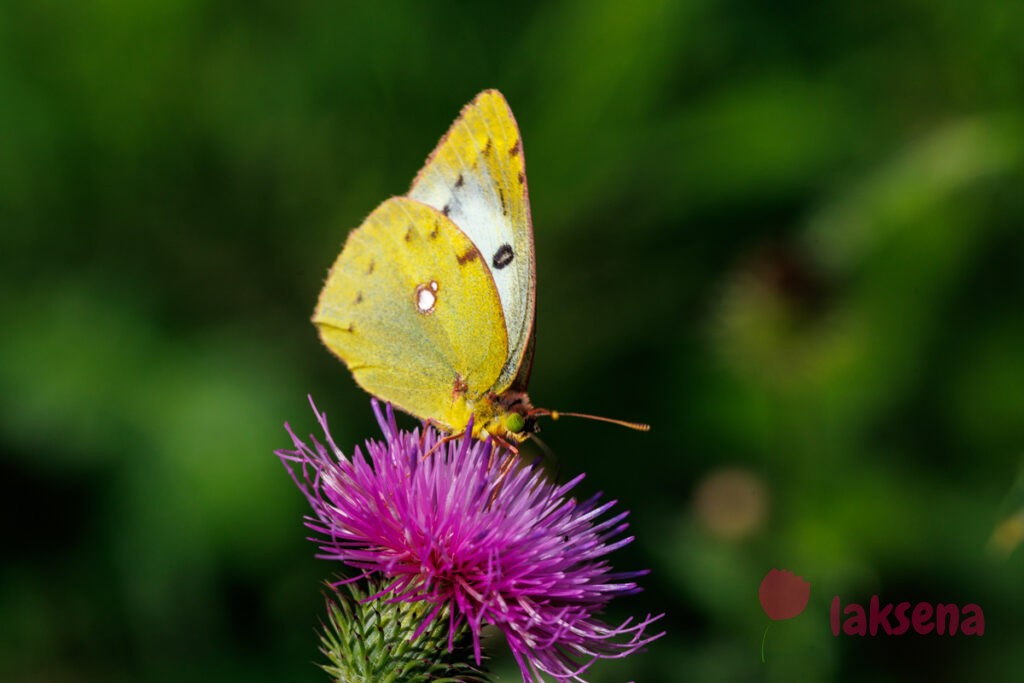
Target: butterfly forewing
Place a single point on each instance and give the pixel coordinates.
(477, 177)
(411, 308)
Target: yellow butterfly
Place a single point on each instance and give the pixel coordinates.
(432, 301)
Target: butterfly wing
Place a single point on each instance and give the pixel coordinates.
(412, 309)
(477, 177)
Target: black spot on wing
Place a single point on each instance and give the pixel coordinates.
(515, 149)
(521, 177)
(447, 209)
(359, 297)
(459, 181)
(487, 147)
(502, 257)
(369, 269)
(501, 198)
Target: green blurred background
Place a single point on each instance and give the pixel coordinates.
(786, 234)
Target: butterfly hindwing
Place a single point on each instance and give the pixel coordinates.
(477, 177)
(412, 309)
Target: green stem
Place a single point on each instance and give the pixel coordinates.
(762, 642)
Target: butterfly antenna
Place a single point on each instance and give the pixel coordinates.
(555, 414)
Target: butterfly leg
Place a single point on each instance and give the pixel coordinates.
(440, 442)
(506, 466)
(427, 424)
(497, 440)
(503, 470)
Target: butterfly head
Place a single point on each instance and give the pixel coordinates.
(508, 417)
(511, 418)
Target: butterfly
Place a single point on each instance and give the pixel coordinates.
(432, 302)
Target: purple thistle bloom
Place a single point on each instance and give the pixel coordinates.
(511, 550)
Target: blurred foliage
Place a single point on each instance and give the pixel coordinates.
(791, 232)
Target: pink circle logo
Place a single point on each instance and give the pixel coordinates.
(783, 595)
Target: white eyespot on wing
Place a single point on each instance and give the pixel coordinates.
(425, 297)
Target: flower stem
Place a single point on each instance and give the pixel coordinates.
(762, 642)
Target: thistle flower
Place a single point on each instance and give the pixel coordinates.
(478, 543)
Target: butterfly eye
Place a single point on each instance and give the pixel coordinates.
(515, 423)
